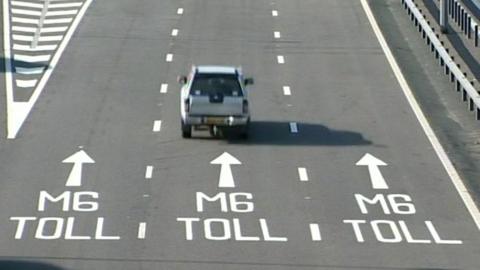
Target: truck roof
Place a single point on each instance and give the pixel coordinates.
(217, 69)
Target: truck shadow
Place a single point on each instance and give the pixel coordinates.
(278, 133)
(26, 265)
(23, 64)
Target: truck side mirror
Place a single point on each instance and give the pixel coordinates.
(248, 81)
(182, 79)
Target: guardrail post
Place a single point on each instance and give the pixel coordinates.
(443, 16)
(469, 27)
(462, 18)
(454, 11)
(476, 35)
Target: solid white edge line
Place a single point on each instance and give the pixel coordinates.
(315, 231)
(142, 229)
(439, 150)
(302, 174)
(148, 172)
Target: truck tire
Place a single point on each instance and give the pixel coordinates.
(186, 131)
(245, 131)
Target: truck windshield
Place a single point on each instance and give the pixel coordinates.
(211, 84)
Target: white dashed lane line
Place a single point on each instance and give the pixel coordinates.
(276, 34)
(315, 231)
(164, 88)
(281, 59)
(157, 126)
(142, 230)
(149, 172)
(274, 13)
(174, 32)
(302, 174)
(169, 57)
(180, 11)
(293, 127)
(287, 91)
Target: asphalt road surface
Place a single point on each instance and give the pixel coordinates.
(337, 173)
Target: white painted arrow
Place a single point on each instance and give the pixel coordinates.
(226, 176)
(378, 182)
(78, 159)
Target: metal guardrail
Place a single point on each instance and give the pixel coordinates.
(463, 85)
(458, 13)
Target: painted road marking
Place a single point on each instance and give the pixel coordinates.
(164, 88)
(61, 13)
(315, 231)
(32, 59)
(157, 126)
(19, 47)
(25, 12)
(378, 182)
(29, 13)
(293, 127)
(25, 20)
(26, 4)
(287, 91)
(302, 174)
(40, 24)
(26, 83)
(180, 11)
(78, 159)
(274, 13)
(169, 57)
(280, 59)
(226, 176)
(24, 29)
(29, 71)
(174, 32)
(439, 150)
(149, 172)
(142, 228)
(66, 5)
(276, 34)
(58, 21)
(40, 39)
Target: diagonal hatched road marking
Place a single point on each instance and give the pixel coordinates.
(35, 36)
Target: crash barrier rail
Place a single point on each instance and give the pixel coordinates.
(466, 22)
(462, 84)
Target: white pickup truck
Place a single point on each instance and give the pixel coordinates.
(214, 97)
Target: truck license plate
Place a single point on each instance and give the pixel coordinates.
(214, 120)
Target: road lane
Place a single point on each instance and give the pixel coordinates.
(345, 101)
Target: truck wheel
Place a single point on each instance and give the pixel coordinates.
(186, 131)
(244, 131)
